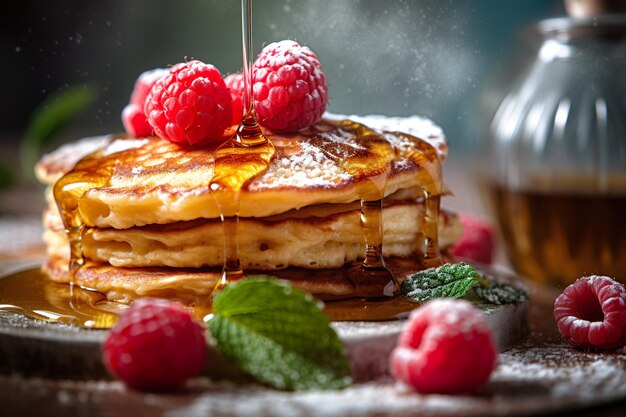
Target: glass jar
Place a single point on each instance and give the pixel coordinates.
(557, 177)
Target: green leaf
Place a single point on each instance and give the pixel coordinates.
(279, 335)
(500, 293)
(50, 118)
(446, 281)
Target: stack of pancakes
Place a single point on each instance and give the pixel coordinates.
(154, 228)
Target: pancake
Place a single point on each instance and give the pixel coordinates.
(153, 181)
(146, 222)
(195, 285)
(318, 238)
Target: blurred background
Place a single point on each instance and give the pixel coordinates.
(430, 57)
(443, 59)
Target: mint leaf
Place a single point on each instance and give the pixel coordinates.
(446, 281)
(279, 335)
(500, 293)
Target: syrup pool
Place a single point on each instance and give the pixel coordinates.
(33, 294)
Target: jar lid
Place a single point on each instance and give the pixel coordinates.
(588, 8)
(596, 25)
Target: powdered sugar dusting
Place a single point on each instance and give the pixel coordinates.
(124, 145)
(564, 373)
(384, 397)
(310, 167)
(528, 379)
(458, 316)
(319, 163)
(420, 127)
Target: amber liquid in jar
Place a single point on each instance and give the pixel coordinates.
(555, 237)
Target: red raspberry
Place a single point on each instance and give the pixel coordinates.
(235, 83)
(155, 345)
(591, 313)
(289, 87)
(133, 117)
(135, 122)
(446, 347)
(476, 243)
(191, 105)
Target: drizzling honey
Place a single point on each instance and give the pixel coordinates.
(373, 268)
(238, 160)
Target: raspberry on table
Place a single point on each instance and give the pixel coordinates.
(234, 82)
(155, 345)
(133, 117)
(446, 347)
(591, 313)
(190, 105)
(477, 241)
(289, 86)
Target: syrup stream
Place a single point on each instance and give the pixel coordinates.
(246, 49)
(429, 228)
(238, 160)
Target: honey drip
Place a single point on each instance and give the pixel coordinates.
(87, 174)
(427, 159)
(92, 171)
(371, 153)
(240, 159)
